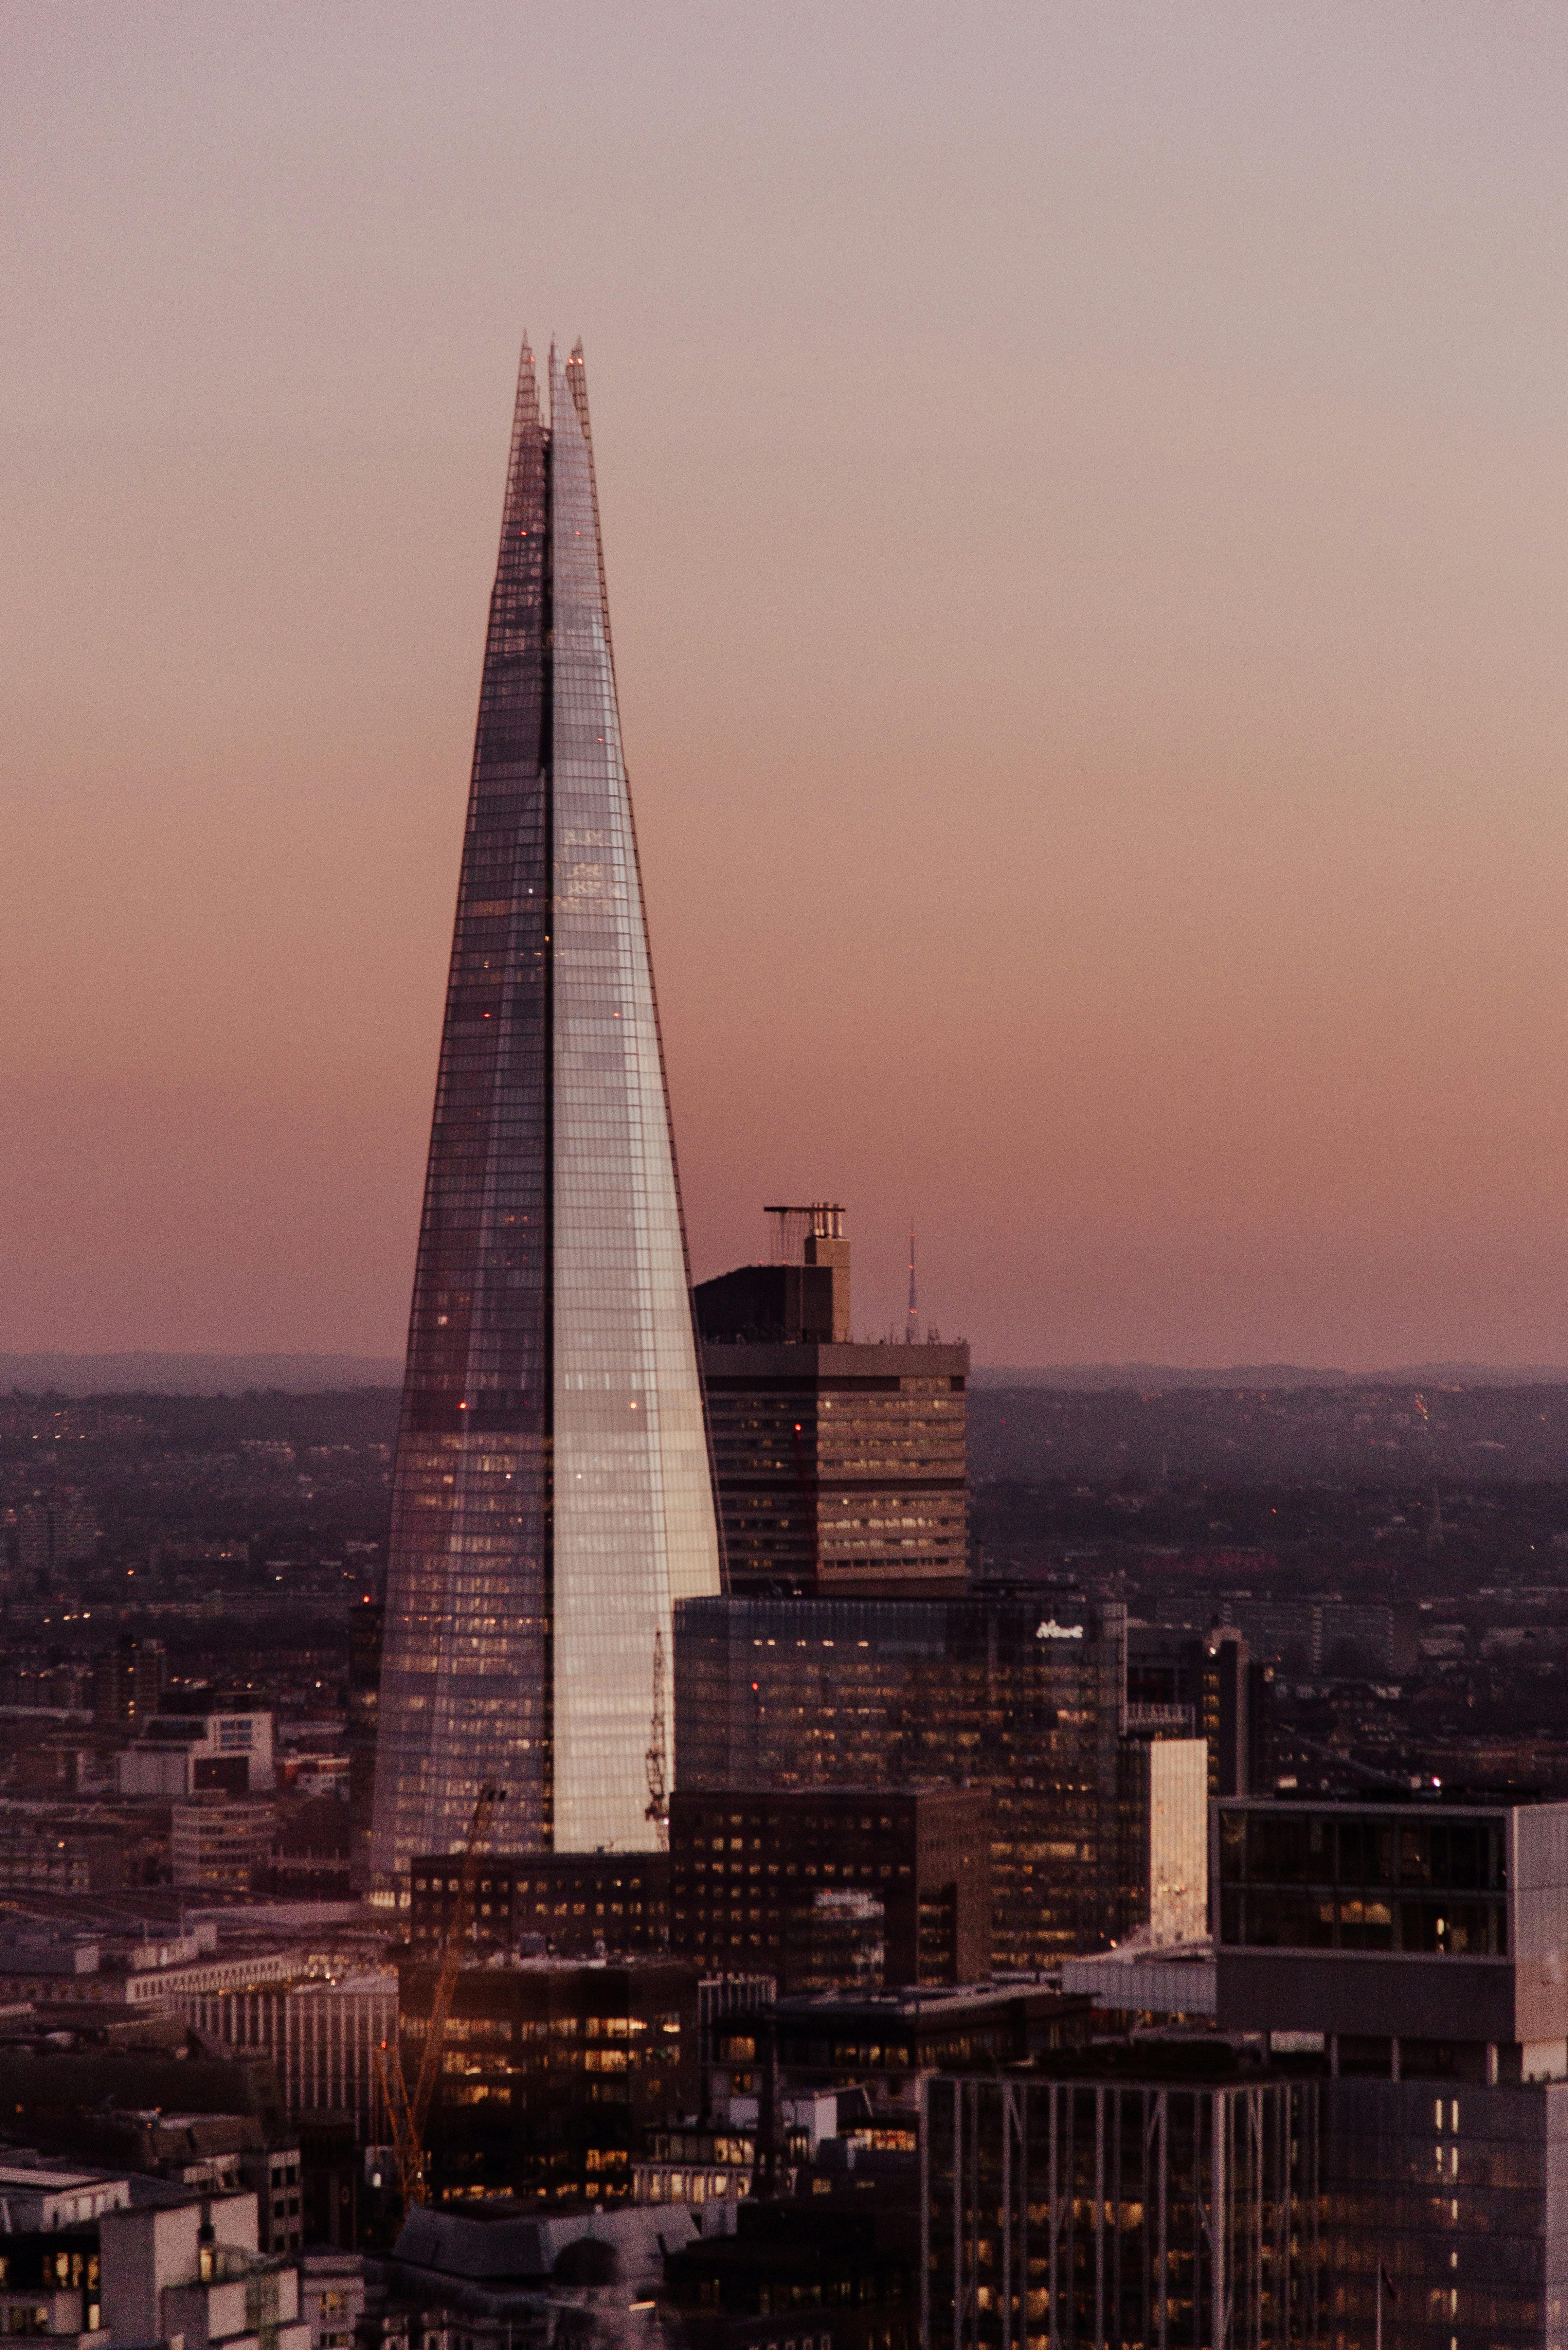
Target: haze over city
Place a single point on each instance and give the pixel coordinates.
(1084, 499)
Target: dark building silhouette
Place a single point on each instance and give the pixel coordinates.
(552, 1492)
(828, 1888)
(1189, 1684)
(552, 2073)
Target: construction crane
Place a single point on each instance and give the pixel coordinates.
(657, 1756)
(408, 2112)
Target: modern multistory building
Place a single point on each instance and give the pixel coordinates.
(1182, 1683)
(833, 1888)
(1165, 1831)
(839, 1467)
(128, 1683)
(1155, 2193)
(553, 1494)
(1008, 1689)
(1419, 1947)
(553, 2073)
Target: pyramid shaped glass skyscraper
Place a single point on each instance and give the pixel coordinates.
(553, 1494)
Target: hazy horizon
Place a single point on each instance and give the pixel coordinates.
(1084, 497)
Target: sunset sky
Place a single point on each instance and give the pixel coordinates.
(1085, 496)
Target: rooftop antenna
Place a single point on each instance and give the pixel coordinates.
(912, 1319)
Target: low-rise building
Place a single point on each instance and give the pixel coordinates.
(332, 2298)
(195, 2269)
(321, 2036)
(179, 1754)
(222, 1840)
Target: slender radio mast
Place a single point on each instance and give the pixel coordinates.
(912, 1319)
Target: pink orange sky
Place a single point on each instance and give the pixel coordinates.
(1085, 494)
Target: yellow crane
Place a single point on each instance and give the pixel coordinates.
(408, 2111)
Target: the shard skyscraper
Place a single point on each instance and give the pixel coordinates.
(552, 1493)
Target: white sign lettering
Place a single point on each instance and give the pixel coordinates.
(1052, 1631)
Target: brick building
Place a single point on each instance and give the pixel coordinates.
(832, 1887)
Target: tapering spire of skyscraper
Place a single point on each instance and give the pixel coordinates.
(552, 1493)
(912, 1318)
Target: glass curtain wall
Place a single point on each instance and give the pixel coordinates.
(552, 1470)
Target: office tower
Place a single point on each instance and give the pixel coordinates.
(552, 1494)
(1180, 1683)
(1419, 1946)
(839, 1468)
(998, 1690)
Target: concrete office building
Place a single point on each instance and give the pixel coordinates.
(199, 1753)
(552, 1494)
(839, 1468)
(321, 2037)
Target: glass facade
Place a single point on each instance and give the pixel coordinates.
(551, 1493)
(1352, 1877)
(1122, 2213)
(1459, 2193)
(1023, 1695)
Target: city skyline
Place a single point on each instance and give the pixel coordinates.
(1147, 875)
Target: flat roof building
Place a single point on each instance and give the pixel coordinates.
(833, 1888)
(553, 2073)
(580, 1904)
(1160, 2193)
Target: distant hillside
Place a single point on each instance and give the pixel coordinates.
(150, 1373)
(1400, 1435)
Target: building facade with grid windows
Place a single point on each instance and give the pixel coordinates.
(1022, 1692)
(553, 1494)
